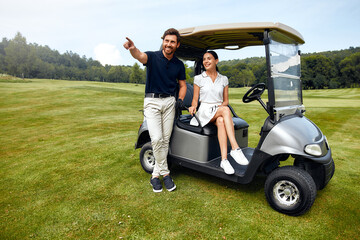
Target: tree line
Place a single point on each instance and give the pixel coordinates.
(333, 69)
(20, 59)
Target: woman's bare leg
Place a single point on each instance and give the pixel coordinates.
(225, 113)
(222, 137)
(236, 153)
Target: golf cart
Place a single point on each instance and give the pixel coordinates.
(286, 131)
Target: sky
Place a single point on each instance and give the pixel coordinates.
(97, 28)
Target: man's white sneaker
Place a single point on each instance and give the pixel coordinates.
(239, 156)
(228, 169)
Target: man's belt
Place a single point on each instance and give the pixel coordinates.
(157, 95)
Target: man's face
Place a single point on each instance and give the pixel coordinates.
(170, 44)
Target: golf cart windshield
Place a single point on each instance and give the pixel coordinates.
(282, 57)
(285, 70)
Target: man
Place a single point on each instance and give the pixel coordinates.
(164, 72)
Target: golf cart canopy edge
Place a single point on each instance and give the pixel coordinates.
(196, 40)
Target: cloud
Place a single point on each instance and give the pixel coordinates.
(107, 54)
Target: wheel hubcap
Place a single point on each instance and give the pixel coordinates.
(286, 193)
(149, 158)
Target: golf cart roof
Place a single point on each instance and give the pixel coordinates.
(196, 40)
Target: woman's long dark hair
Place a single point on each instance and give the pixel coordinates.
(215, 56)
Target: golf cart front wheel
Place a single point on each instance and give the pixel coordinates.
(290, 190)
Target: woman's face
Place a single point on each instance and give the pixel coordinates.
(209, 61)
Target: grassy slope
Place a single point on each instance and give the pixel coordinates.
(68, 170)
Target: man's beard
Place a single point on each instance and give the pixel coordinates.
(172, 50)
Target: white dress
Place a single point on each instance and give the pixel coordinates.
(211, 96)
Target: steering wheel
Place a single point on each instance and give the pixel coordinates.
(254, 93)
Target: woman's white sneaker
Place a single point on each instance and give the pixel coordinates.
(228, 169)
(239, 156)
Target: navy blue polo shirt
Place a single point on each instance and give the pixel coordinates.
(162, 75)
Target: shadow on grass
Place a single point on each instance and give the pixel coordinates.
(256, 185)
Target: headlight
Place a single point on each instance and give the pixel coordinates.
(313, 149)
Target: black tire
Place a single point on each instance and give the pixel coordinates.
(290, 190)
(333, 168)
(316, 170)
(147, 159)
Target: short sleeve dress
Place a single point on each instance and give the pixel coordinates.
(211, 96)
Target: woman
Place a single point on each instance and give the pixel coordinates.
(213, 90)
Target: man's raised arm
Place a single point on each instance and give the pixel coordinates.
(136, 53)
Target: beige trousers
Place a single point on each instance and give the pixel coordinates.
(159, 114)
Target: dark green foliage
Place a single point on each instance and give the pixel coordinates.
(318, 71)
(20, 59)
(350, 70)
(335, 69)
(118, 73)
(330, 69)
(244, 73)
(136, 75)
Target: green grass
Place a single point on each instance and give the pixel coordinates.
(69, 170)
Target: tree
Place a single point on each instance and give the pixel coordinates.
(350, 70)
(17, 56)
(334, 83)
(243, 78)
(318, 71)
(248, 77)
(136, 74)
(116, 74)
(260, 72)
(98, 73)
(3, 45)
(234, 78)
(188, 73)
(320, 81)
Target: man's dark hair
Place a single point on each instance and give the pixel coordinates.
(172, 31)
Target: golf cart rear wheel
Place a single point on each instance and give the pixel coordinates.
(290, 190)
(147, 158)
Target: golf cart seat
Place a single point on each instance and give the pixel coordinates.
(183, 120)
(210, 129)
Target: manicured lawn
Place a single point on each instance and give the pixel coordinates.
(68, 170)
